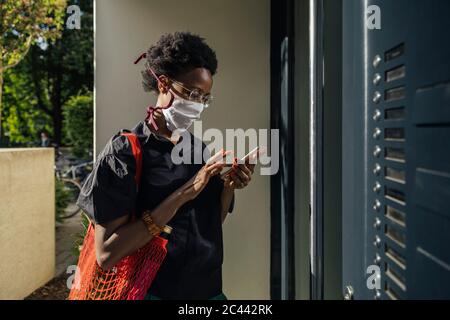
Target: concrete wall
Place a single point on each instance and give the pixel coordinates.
(239, 31)
(27, 220)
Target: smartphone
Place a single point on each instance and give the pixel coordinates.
(219, 156)
(251, 156)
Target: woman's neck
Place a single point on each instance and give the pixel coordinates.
(164, 132)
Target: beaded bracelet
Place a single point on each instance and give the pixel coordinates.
(152, 227)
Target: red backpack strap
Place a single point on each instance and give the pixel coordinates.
(137, 153)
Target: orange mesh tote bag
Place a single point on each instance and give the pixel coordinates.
(132, 276)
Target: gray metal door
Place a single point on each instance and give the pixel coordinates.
(396, 149)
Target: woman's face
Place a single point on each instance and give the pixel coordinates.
(199, 79)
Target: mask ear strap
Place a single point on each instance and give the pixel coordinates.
(172, 97)
(151, 109)
(149, 70)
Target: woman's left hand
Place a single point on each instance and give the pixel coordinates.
(240, 177)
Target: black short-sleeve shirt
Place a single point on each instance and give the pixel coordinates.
(192, 268)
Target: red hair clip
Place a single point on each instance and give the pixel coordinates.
(142, 56)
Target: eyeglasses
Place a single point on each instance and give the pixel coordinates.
(195, 95)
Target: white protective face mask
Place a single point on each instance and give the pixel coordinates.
(182, 113)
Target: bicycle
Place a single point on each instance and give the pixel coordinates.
(72, 179)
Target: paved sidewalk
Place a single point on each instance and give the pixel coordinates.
(56, 289)
(65, 238)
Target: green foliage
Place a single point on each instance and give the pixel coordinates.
(23, 23)
(78, 122)
(22, 120)
(62, 199)
(46, 79)
(26, 22)
(79, 237)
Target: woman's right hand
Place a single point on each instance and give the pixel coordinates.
(197, 183)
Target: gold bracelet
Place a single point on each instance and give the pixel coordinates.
(152, 227)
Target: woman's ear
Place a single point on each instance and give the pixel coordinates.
(163, 84)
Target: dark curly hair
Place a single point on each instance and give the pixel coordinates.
(175, 54)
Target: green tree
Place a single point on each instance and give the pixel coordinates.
(65, 68)
(52, 75)
(22, 121)
(23, 23)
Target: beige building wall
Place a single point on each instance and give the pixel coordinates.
(27, 220)
(239, 32)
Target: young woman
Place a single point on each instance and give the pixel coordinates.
(191, 198)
